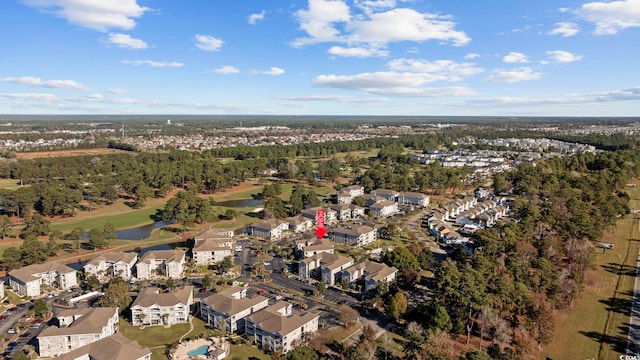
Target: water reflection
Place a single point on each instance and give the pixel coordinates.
(242, 203)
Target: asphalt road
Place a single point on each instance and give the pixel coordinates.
(633, 342)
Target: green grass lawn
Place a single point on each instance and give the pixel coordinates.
(247, 352)
(10, 184)
(152, 336)
(121, 221)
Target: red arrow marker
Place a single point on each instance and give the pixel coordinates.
(320, 231)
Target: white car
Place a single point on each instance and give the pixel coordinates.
(266, 263)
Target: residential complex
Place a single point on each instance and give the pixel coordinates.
(111, 263)
(154, 307)
(31, 280)
(114, 347)
(161, 263)
(354, 235)
(77, 328)
(227, 309)
(277, 328)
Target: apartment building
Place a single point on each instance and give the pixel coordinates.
(77, 328)
(30, 280)
(154, 307)
(277, 328)
(161, 263)
(118, 264)
(356, 235)
(228, 308)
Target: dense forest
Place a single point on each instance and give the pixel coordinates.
(506, 289)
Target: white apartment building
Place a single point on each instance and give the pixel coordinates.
(383, 209)
(77, 328)
(29, 280)
(272, 229)
(228, 308)
(114, 263)
(357, 235)
(277, 328)
(162, 263)
(110, 348)
(153, 307)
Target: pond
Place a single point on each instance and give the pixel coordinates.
(241, 203)
(140, 232)
(136, 233)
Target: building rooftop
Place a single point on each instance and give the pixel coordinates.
(166, 255)
(153, 296)
(87, 321)
(113, 256)
(26, 273)
(115, 347)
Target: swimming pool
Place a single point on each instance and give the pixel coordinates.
(200, 350)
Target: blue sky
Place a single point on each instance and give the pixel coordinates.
(320, 57)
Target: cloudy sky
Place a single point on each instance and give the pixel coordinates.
(324, 57)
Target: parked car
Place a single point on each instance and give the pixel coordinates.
(3, 317)
(204, 289)
(12, 331)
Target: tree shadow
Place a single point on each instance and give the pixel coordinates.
(157, 216)
(619, 269)
(618, 305)
(618, 343)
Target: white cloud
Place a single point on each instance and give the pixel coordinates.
(611, 17)
(565, 29)
(171, 64)
(515, 57)
(126, 41)
(377, 25)
(444, 69)
(95, 96)
(117, 91)
(274, 71)
(337, 98)
(100, 15)
(36, 81)
(514, 75)
(30, 96)
(357, 52)
(557, 99)
(253, 18)
(226, 69)
(208, 43)
(390, 83)
(471, 56)
(318, 21)
(404, 24)
(563, 56)
(369, 6)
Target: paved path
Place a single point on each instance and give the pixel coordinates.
(190, 328)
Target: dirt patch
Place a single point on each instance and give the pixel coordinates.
(67, 153)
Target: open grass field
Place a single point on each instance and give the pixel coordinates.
(597, 325)
(10, 184)
(67, 153)
(152, 336)
(247, 352)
